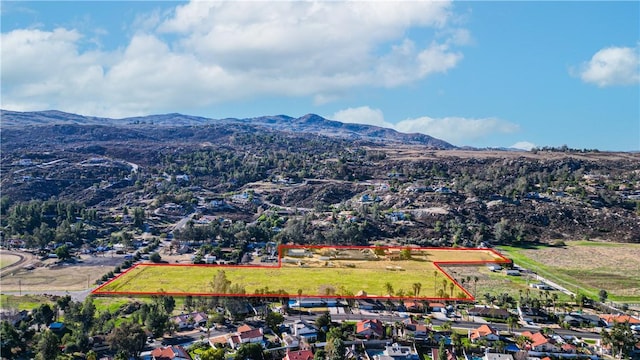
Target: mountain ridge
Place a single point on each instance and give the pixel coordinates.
(309, 123)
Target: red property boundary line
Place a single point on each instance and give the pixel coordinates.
(438, 265)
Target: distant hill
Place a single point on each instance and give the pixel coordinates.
(310, 124)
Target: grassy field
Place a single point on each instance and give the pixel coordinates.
(345, 277)
(24, 302)
(587, 267)
(8, 260)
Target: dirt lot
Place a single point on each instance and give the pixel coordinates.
(49, 276)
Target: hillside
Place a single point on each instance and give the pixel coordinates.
(307, 124)
(275, 183)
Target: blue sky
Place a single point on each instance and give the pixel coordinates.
(485, 74)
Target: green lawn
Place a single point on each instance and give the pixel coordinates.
(345, 277)
(24, 302)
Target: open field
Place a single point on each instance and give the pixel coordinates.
(48, 276)
(314, 272)
(587, 267)
(497, 283)
(8, 260)
(24, 302)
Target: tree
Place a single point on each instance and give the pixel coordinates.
(155, 257)
(128, 338)
(157, 322)
(47, 347)
(11, 343)
(43, 315)
(446, 326)
(212, 354)
(250, 351)
(416, 288)
(335, 349)
(389, 288)
(603, 295)
(621, 339)
(87, 314)
(62, 252)
(220, 284)
(274, 319)
(442, 352)
(405, 254)
(323, 321)
(188, 302)
(512, 323)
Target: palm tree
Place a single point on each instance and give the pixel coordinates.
(475, 282)
(446, 326)
(521, 341)
(389, 288)
(416, 288)
(512, 322)
(451, 286)
(300, 303)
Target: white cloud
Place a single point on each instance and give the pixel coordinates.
(362, 115)
(523, 145)
(613, 66)
(208, 52)
(456, 130)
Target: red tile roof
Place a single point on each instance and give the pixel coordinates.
(482, 331)
(170, 353)
(299, 355)
(375, 325)
(251, 334)
(619, 319)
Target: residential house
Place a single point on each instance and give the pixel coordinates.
(489, 312)
(484, 332)
(369, 304)
(437, 307)
(303, 329)
(419, 330)
(413, 306)
(13, 316)
(610, 319)
(370, 329)
(568, 348)
(397, 352)
(497, 356)
(533, 315)
(176, 352)
(290, 341)
(248, 334)
(577, 320)
(540, 343)
(298, 355)
(244, 335)
(189, 321)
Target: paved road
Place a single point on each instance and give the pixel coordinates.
(75, 295)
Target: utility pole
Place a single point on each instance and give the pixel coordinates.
(20, 286)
